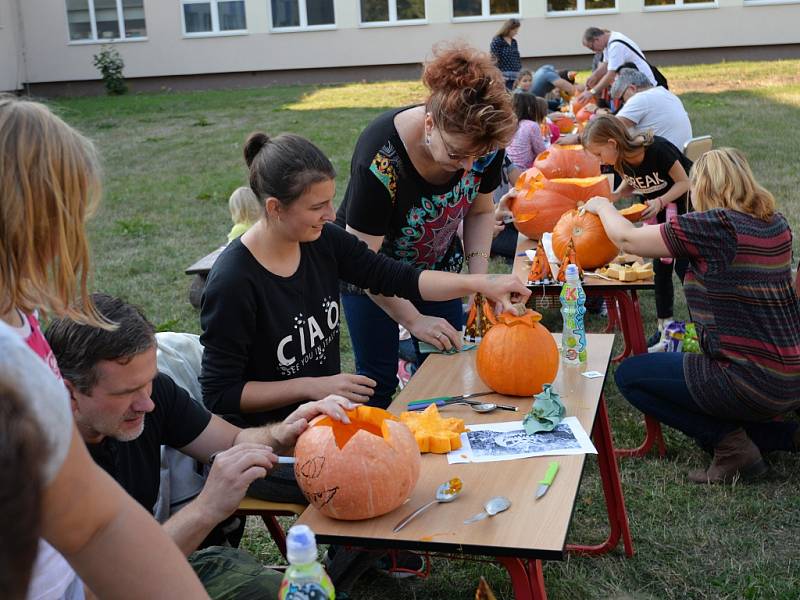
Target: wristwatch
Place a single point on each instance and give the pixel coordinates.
(593, 91)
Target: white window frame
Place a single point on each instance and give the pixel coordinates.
(679, 5)
(304, 26)
(215, 30)
(393, 20)
(581, 10)
(93, 22)
(485, 14)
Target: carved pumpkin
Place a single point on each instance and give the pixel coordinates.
(585, 113)
(570, 257)
(358, 470)
(434, 433)
(579, 189)
(576, 104)
(480, 318)
(518, 355)
(634, 212)
(537, 210)
(540, 269)
(592, 245)
(567, 161)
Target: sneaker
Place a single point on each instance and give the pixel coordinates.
(401, 564)
(654, 342)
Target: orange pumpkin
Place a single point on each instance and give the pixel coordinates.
(580, 189)
(634, 212)
(518, 355)
(592, 245)
(585, 113)
(564, 124)
(358, 470)
(538, 211)
(576, 104)
(434, 433)
(567, 161)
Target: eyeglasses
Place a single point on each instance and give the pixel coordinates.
(456, 156)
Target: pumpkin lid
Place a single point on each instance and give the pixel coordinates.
(529, 318)
(580, 181)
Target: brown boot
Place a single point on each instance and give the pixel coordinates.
(735, 456)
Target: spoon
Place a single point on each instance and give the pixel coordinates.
(493, 506)
(483, 407)
(447, 492)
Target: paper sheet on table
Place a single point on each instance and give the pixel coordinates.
(508, 441)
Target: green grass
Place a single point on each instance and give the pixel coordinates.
(172, 159)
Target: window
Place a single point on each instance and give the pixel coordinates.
(105, 20)
(581, 6)
(669, 4)
(485, 8)
(213, 16)
(302, 13)
(392, 11)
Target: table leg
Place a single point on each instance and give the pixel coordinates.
(276, 531)
(612, 489)
(613, 314)
(527, 581)
(633, 330)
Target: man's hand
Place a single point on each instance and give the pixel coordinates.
(356, 388)
(287, 432)
(231, 474)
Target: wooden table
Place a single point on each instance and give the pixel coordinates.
(623, 311)
(531, 530)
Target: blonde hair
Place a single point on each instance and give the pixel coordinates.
(603, 128)
(244, 206)
(722, 178)
(49, 186)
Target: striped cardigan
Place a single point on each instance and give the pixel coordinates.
(740, 294)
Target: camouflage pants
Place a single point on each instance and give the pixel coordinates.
(232, 574)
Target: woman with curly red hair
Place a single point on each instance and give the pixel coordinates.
(416, 175)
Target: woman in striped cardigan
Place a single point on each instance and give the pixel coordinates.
(741, 296)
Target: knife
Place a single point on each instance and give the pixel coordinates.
(545, 483)
(446, 399)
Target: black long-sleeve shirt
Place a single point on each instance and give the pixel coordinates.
(258, 326)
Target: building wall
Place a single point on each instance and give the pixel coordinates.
(167, 52)
(11, 63)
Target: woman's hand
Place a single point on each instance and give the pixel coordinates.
(504, 291)
(356, 388)
(595, 204)
(435, 331)
(654, 207)
(502, 213)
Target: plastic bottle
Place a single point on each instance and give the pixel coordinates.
(305, 577)
(573, 340)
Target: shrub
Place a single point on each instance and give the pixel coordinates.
(110, 64)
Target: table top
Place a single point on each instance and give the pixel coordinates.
(522, 267)
(530, 528)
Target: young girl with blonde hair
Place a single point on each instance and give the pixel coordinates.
(49, 185)
(655, 169)
(742, 299)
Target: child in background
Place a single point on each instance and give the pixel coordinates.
(245, 210)
(528, 141)
(652, 167)
(523, 83)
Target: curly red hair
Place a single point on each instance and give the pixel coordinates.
(468, 96)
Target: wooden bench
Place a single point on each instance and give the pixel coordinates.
(200, 271)
(269, 513)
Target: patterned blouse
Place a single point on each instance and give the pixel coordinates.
(419, 221)
(740, 294)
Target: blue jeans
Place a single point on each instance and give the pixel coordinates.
(375, 342)
(655, 384)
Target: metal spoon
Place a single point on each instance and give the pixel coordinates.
(447, 492)
(493, 506)
(483, 407)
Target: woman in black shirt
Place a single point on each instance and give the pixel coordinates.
(505, 51)
(417, 174)
(652, 167)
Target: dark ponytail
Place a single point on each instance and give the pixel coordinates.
(285, 166)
